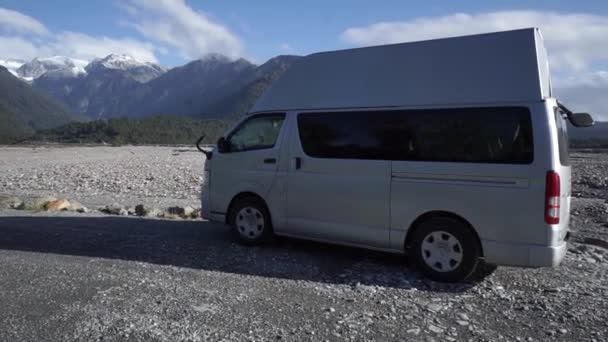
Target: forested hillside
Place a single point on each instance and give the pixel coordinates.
(31, 108)
(154, 130)
(10, 128)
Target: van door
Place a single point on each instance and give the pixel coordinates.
(333, 193)
(250, 162)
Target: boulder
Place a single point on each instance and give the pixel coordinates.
(39, 203)
(178, 211)
(115, 208)
(11, 203)
(140, 210)
(197, 213)
(58, 205)
(76, 206)
(154, 212)
(188, 211)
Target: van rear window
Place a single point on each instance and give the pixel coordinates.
(562, 138)
(472, 135)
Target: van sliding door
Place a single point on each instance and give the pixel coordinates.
(335, 191)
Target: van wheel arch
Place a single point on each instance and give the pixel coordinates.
(240, 196)
(435, 214)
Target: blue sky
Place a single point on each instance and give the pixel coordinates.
(268, 28)
(173, 32)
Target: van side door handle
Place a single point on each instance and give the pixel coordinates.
(270, 161)
(298, 162)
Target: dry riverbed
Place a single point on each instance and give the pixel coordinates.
(69, 276)
(157, 177)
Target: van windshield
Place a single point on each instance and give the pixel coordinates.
(562, 138)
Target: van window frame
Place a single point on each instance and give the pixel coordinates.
(253, 117)
(563, 141)
(390, 109)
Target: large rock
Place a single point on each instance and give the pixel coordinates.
(58, 205)
(177, 211)
(140, 210)
(188, 212)
(11, 203)
(77, 206)
(197, 213)
(154, 212)
(39, 203)
(114, 209)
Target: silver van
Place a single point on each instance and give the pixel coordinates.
(453, 151)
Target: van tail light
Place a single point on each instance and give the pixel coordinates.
(552, 195)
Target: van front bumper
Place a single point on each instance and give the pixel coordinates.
(524, 255)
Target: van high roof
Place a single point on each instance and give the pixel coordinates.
(509, 66)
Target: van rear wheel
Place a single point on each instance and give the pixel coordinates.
(250, 221)
(445, 249)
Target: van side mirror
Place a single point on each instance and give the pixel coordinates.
(223, 146)
(581, 120)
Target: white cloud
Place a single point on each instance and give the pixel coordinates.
(170, 27)
(575, 41)
(286, 48)
(76, 45)
(20, 48)
(13, 21)
(175, 24)
(26, 38)
(83, 46)
(585, 92)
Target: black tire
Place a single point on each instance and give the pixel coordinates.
(242, 213)
(445, 249)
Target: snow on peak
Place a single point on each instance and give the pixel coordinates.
(12, 65)
(121, 62)
(133, 68)
(40, 66)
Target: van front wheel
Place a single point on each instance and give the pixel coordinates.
(445, 249)
(250, 221)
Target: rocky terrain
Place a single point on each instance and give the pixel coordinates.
(70, 276)
(100, 176)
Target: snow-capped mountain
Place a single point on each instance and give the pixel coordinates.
(39, 66)
(185, 89)
(98, 90)
(119, 85)
(135, 69)
(12, 65)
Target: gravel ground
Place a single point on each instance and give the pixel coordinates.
(98, 176)
(94, 277)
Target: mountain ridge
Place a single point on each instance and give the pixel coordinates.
(202, 88)
(211, 87)
(25, 108)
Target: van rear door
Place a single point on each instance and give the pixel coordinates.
(563, 169)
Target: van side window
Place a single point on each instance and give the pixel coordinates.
(562, 138)
(258, 132)
(500, 135)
